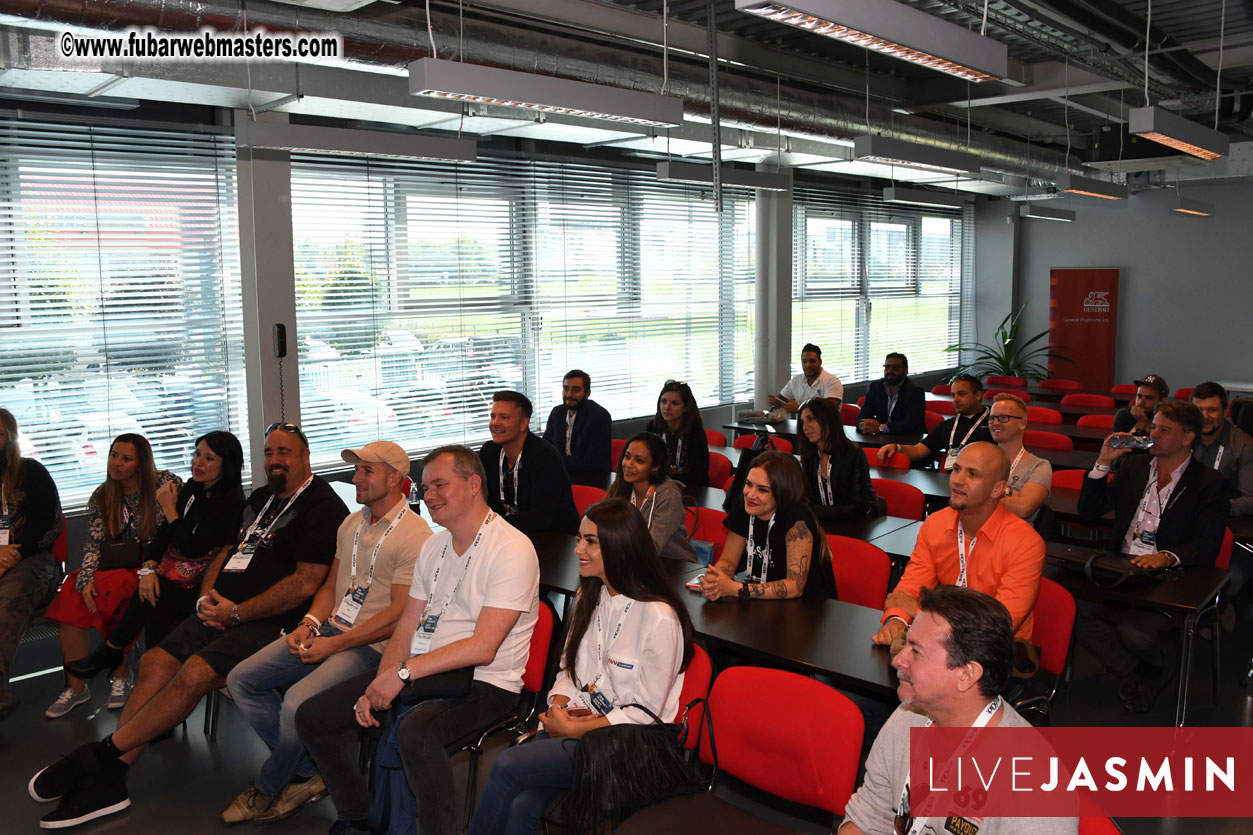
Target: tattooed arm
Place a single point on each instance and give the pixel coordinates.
(800, 545)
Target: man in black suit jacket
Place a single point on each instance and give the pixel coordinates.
(893, 404)
(1169, 510)
(581, 430)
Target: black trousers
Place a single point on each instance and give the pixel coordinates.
(174, 603)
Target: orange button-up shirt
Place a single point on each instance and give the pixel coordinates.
(1006, 562)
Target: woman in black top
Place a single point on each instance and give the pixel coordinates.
(201, 518)
(837, 476)
(678, 423)
(30, 521)
(773, 537)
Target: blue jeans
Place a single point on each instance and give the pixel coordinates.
(255, 682)
(524, 780)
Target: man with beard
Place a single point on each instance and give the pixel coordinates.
(1225, 447)
(894, 404)
(250, 592)
(580, 428)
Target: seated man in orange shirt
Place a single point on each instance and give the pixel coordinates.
(975, 542)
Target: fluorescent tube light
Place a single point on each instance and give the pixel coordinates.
(367, 143)
(893, 29)
(1045, 213)
(1090, 187)
(1174, 131)
(1193, 207)
(923, 197)
(691, 172)
(891, 151)
(454, 80)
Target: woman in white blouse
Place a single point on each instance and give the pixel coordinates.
(630, 641)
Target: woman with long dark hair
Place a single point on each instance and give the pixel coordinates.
(837, 476)
(30, 521)
(200, 518)
(122, 516)
(773, 537)
(679, 424)
(630, 641)
(642, 481)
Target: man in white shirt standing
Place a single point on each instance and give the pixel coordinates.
(813, 381)
(462, 642)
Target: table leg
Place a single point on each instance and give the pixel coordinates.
(1185, 669)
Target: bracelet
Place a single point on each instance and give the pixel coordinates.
(202, 598)
(1101, 468)
(145, 571)
(317, 624)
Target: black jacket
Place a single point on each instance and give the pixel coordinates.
(544, 501)
(908, 413)
(853, 497)
(590, 442)
(1192, 523)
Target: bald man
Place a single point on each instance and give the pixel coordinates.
(975, 542)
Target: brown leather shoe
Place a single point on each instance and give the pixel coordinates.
(246, 807)
(293, 798)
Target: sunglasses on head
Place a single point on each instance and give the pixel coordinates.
(288, 427)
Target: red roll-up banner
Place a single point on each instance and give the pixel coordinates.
(1083, 324)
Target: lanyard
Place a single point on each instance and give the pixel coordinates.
(601, 646)
(277, 516)
(4, 502)
(517, 465)
(1153, 501)
(677, 461)
(356, 540)
(1014, 464)
(893, 396)
(191, 499)
(651, 507)
(824, 483)
(1218, 459)
(570, 416)
(469, 555)
(961, 551)
(753, 550)
(953, 434)
(984, 717)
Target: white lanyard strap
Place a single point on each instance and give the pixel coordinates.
(570, 416)
(677, 461)
(603, 646)
(893, 396)
(277, 516)
(753, 551)
(356, 540)
(517, 465)
(191, 499)
(469, 555)
(824, 483)
(1218, 459)
(952, 435)
(651, 506)
(4, 502)
(961, 551)
(985, 716)
(1153, 502)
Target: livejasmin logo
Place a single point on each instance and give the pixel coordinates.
(974, 774)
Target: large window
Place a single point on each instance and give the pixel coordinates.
(422, 288)
(119, 294)
(871, 277)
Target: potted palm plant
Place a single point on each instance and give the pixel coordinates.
(1010, 353)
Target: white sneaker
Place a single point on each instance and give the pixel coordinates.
(119, 692)
(67, 701)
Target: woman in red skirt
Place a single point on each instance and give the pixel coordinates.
(122, 515)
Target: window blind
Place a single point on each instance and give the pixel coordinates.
(119, 294)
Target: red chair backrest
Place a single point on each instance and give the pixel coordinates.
(1096, 421)
(696, 680)
(719, 468)
(941, 407)
(1060, 384)
(1124, 388)
(1088, 400)
(726, 485)
(1184, 393)
(861, 401)
(747, 441)
(1052, 625)
(990, 394)
(1005, 380)
(705, 523)
(617, 448)
(904, 500)
(1223, 560)
(810, 758)
(1035, 439)
(932, 419)
(61, 546)
(1069, 479)
(849, 413)
(715, 438)
(1043, 414)
(541, 643)
(942, 388)
(585, 496)
(898, 461)
(861, 571)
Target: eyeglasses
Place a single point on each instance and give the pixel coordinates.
(676, 383)
(1004, 418)
(288, 427)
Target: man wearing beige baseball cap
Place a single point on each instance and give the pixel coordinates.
(343, 634)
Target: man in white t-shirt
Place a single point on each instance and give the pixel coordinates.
(472, 606)
(813, 381)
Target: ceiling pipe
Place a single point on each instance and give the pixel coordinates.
(394, 35)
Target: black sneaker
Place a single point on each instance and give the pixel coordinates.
(51, 782)
(1143, 692)
(91, 798)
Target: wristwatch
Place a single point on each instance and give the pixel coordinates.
(235, 615)
(743, 592)
(404, 674)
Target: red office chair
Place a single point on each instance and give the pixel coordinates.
(861, 571)
(1073, 480)
(1223, 560)
(1184, 393)
(849, 413)
(898, 461)
(1043, 414)
(1124, 388)
(747, 441)
(904, 500)
(1060, 384)
(942, 388)
(1034, 439)
(705, 524)
(1005, 380)
(1103, 400)
(696, 680)
(861, 401)
(617, 448)
(1054, 622)
(1098, 826)
(715, 438)
(941, 407)
(990, 394)
(529, 702)
(931, 419)
(810, 759)
(719, 468)
(585, 496)
(726, 485)
(1096, 421)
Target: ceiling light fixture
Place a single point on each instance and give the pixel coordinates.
(1090, 187)
(367, 143)
(1194, 207)
(1045, 213)
(891, 151)
(892, 29)
(456, 81)
(691, 172)
(923, 197)
(1174, 131)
